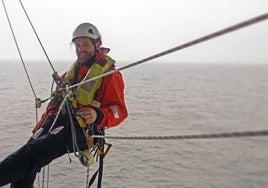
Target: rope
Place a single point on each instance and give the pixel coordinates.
(185, 45)
(65, 105)
(17, 46)
(43, 177)
(36, 110)
(24, 66)
(60, 108)
(191, 136)
(47, 175)
(76, 149)
(87, 180)
(37, 36)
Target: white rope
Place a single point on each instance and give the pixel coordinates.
(60, 108)
(185, 45)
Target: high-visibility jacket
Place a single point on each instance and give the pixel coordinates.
(84, 93)
(108, 99)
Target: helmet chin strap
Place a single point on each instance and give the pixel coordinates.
(97, 45)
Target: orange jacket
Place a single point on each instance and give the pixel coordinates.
(110, 96)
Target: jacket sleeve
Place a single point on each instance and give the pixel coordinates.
(111, 95)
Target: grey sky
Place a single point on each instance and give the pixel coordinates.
(137, 29)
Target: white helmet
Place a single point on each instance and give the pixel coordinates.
(86, 30)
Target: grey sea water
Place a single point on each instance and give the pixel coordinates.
(162, 99)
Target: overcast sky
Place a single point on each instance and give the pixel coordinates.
(137, 29)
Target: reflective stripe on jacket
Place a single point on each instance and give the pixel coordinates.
(109, 98)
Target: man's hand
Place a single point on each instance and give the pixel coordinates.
(88, 114)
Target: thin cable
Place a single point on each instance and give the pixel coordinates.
(47, 175)
(191, 136)
(37, 36)
(39, 40)
(14, 37)
(63, 103)
(188, 44)
(43, 179)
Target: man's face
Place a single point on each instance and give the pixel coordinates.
(84, 49)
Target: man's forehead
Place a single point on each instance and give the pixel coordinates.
(82, 40)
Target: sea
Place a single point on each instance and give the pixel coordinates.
(163, 99)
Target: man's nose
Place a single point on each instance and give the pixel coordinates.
(81, 48)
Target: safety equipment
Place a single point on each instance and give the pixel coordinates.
(85, 93)
(86, 30)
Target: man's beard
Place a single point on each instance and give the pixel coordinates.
(85, 58)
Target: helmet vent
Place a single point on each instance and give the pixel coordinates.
(90, 31)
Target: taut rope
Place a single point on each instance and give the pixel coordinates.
(185, 45)
(190, 136)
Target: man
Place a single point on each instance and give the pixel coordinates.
(90, 108)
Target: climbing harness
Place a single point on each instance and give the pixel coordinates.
(101, 153)
(95, 145)
(95, 148)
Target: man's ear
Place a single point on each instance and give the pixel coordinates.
(98, 45)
